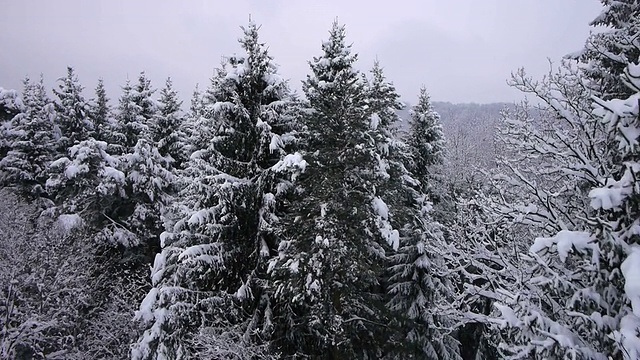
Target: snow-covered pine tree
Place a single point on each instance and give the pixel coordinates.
(120, 214)
(31, 141)
(148, 183)
(328, 301)
(99, 111)
(425, 138)
(167, 128)
(72, 117)
(87, 183)
(136, 111)
(427, 143)
(418, 281)
(608, 51)
(196, 110)
(615, 226)
(10, 106)
(128, 128)
(142, 96)
(210, 277)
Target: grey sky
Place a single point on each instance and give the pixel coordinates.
(462, 50)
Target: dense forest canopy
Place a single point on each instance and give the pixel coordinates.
(252, 222)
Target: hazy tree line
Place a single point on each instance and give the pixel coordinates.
(254, 223)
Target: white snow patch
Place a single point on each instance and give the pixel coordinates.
(73, 170)
(114, 174)
(244, 292)
(145, 313)
(374, 121)
(159, 264)
(565, 241)
(628, 336)
(68, 222)
(276, 143)
(509, 317)
(294, 266)
(631, 271)
(294, 164)
(608, 198)
(381, 208)
(387, 231)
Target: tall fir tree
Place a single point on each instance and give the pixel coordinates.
(100, 114)
(211, 274)
(10, 106)
(142, 96)
(426, 138)
(32, 141)
(417, 279)
(327, 271)
(167, 128)
(72, 117)
(136, 111)
(427, 145)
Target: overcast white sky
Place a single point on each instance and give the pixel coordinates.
(462, 50)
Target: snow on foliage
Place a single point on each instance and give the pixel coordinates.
(214, 252)
(565, 241)
(391, 235)
(69, 222)
(630, 268)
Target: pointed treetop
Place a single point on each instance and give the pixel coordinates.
(258, 59)
(383, 98)
(336, 47)
(426, 136)
(424, 101)
(169, 98)
(196, 106)
(335, 64)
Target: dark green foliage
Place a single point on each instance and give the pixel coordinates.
(329, 301)
(220, 234)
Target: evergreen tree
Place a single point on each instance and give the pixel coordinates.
(10, 106)
(426, 138)
(148, 184)
(136, 112)
(31, 141)
(428, 147)
(417, 279)
(327, 271)
(129, 129)
(614, 224)
(72, 118)
(190, 128)
(607, 52)
(211, 274)
(142, 97)
(99, 112)
(167, 129)
(88, 184)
